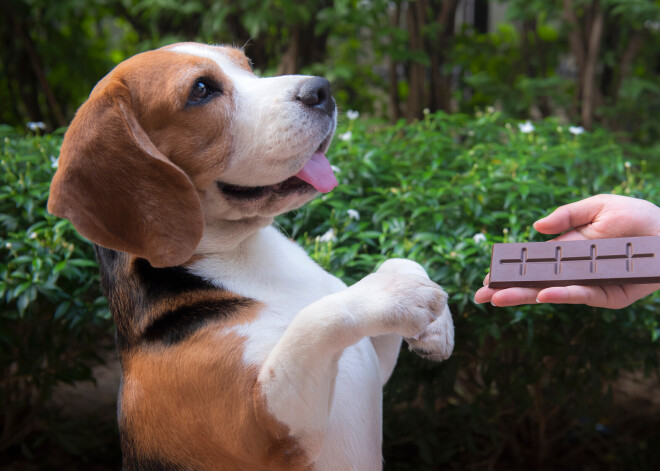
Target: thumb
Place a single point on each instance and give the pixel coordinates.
(570, 216)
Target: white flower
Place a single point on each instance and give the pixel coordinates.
(426, 111)
(652, 25)
(335, 168)
(526, 127)
(353, 214)
(329, 236)
(479, 238)
(34, 125)
(8, 245)
(54, 161)
(346, 136)
(626, 164)
(576, 130)
(490, 109)
(352, 115)
(32, 235)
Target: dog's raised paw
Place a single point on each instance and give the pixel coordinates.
(436, 342)
(402, 266)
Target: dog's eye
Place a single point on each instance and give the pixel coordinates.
(201, 92)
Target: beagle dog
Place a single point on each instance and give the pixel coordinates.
(238, 352)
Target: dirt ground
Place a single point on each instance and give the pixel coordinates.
(632, 392)
(638, 394)
(85, 435)
(88, 399)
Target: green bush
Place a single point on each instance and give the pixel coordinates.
(526, 387)
(51, 309)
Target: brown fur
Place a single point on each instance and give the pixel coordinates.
(210, 414)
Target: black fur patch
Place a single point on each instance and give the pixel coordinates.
(145, 281)
(165, 282)
(133, 287)
(177, 325)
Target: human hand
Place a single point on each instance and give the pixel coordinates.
(597, 217)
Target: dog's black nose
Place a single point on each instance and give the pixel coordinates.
(315, 92)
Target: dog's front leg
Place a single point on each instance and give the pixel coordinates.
(297, 380)
(429, 344)
(387, 348)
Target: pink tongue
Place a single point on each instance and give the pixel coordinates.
(318, 173)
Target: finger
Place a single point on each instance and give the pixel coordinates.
(589, 295)
(483, 295)
(514, 296)
(612, 297)
(569, 216)
(575, 234)
(505, 297)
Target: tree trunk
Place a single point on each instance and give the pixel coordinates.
(440, 80)
(394, 101)
(417, 70)
(585, 46)
(629, 55)
(577, 47)
(532, 55)
(37, 67)
(289, 62)
(590, 93)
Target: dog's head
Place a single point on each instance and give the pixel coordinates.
(186, 138)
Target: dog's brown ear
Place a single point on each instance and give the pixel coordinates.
(119, 190)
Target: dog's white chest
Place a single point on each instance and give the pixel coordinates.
(278, 273)
(272, 270)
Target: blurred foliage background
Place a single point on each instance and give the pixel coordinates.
(592, 61)
(440, 164)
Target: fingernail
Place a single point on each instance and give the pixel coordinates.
(493, 304)
(537, 300)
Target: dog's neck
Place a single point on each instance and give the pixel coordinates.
(269, 267)
(226, 236)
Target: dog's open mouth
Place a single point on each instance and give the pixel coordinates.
(246, 193)
(316, 175)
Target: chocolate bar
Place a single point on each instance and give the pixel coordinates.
(581, 262)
